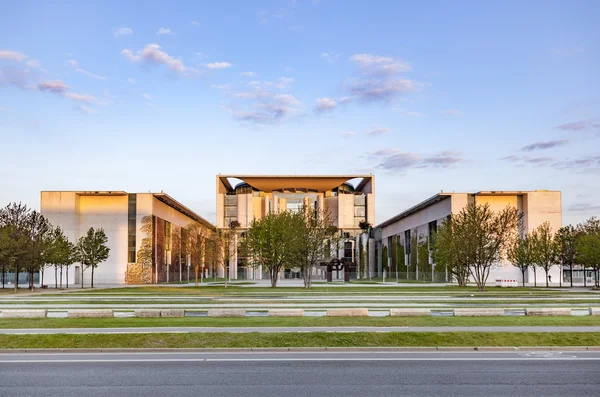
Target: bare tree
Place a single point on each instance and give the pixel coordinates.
(197, 241)
(544, 250)
(519, 254)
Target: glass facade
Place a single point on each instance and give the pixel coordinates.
(131, 227)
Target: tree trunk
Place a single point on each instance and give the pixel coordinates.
(534, 277)
(523, 270)
(571, 272)
(560, 276)
(546, 270)
(16, 278)
(196, 274)
(42, 276)
(274, 274)
(82, 275)
(61, 276)
(55, 277)
(66, 277)
(92, 284)
(584, 277)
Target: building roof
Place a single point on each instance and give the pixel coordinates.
(422, 205)
(163, 197)
(269, 183)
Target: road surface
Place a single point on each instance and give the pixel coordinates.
(539, 373)
(141, 330)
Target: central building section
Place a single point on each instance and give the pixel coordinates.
(349, 199)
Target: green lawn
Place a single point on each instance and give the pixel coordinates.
(313, 339)
(299, 322)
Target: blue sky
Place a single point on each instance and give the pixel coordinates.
(427, 96)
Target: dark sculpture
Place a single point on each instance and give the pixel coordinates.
(337, 265)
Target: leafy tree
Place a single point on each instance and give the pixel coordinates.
(314, 235)
(519, 254)
(384, 258)
(92, 250)
(588, 248)
(566, 245)
(62, 254)
(544, 250)
(270, 241)
(449, 252)
(223, 241)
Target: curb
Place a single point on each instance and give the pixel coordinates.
(307, 349)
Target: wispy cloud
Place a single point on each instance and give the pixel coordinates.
(265, 107)
(248, 74)
(131, 81)
(395, 160)
(379, 131)
(76, 67)
(567, 51)
(14, 77)
(152, 54)
(347, 134)
(59, 88)
(12, 55)
(325, 105)
(377, 79)
(407, 113)
(119, 32)
(582, 162)
(195, 23)
(584, 207)
(578, 125)
(451, 112)
(544, 145)
(219, 65)
(146, 96)
(85, 109)
(165, 32)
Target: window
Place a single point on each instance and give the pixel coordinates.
(407, 242)
(359, 211)
(131, 257)
(131, 227)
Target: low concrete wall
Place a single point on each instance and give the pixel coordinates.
(226, 312)
(147, 313)
(594, 311)
(24, 313)
(286, 312)
(358, 312)
(478, 312)
(548, 311)
(172, 312)
(90, 313)
(409, 312)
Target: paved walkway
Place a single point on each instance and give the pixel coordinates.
(135, 330)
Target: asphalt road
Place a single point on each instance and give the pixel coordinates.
(141, 330)
(323, 374)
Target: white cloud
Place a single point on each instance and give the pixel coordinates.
(131, 81)
(347, 134)
(165, 32)
(12, 55)
(146, 96)
(379, 131)
(219, 65)
(60, 88)
(325, 105)
(407, 113)
(264, 107)
(248, 74)
(152, 54)
(373, 64)
(282, 83)
(452, 112)
(34, 64)
(195, 23)
(122, 32)
(75, 65)
(394, 160)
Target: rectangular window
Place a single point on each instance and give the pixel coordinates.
(359, 211)
(407, 242)
(131, 258)
(168, 239)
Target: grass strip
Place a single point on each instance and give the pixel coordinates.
(299, 322)
(315, 339)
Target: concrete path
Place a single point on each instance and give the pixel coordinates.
(136, 330)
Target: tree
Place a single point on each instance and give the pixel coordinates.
(544, 252)
(448, 251)
(314, 235)
(62, 254)
(591, 225)
(270, 241)
(92, 250)
(197, 241)
(222, 242)
(519, 254)
(565, 239)
(365, 227)
(588, 248)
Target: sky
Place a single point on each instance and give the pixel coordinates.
(430, 96)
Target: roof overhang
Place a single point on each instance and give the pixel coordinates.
(422, 205)
(171, 202)
(320, 183)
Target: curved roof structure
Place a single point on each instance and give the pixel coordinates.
(270, 183)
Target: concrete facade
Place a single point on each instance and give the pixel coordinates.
(349, 199)
(121, 215)
(421, 220)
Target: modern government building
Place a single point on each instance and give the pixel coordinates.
(399, 246)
